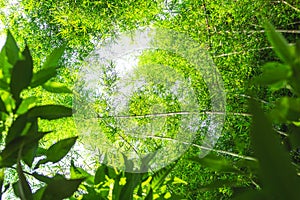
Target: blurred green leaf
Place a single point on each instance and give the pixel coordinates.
(132, 181)
(42, 178)
(279, 177)
(279, 43)
(287, 108)
(274, 72)
(21, 75)
(50, 112)
(58, 150)
(56, 87)
(159, 176)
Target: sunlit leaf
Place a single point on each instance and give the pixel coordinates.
(53, 59)
(56, 87)
(42, 76)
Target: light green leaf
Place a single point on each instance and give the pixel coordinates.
(53, 59)
(26, 104)
(56, 87)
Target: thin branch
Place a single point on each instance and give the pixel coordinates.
(175, 113)
(293, 7)
(241, 52)
(205, 148)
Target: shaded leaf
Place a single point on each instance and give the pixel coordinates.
(21, 75)
(50, 112)
(77, 172)
(60, 188)
(58, 150)
(2, 106)
(25, 104)
(276, 169)
(42, 76)
(16, 128)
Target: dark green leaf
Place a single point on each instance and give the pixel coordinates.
(2, 106)
(58, 150)
(50, 112)
(42, 76)
(60, 188)
(281, 46)
(149, 195)
(42, 178)
(100, 174)
(56, 87)
(132, 180)
(116, 192)
(21, 75)
(53, 59)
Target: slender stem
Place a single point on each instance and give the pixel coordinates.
(176, 113)
(205, 148)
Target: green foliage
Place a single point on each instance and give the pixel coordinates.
(21, 126)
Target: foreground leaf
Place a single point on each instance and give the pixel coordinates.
(50, 112)
(58, 150)
(60, 188)
(278, 176)
(21, 75)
